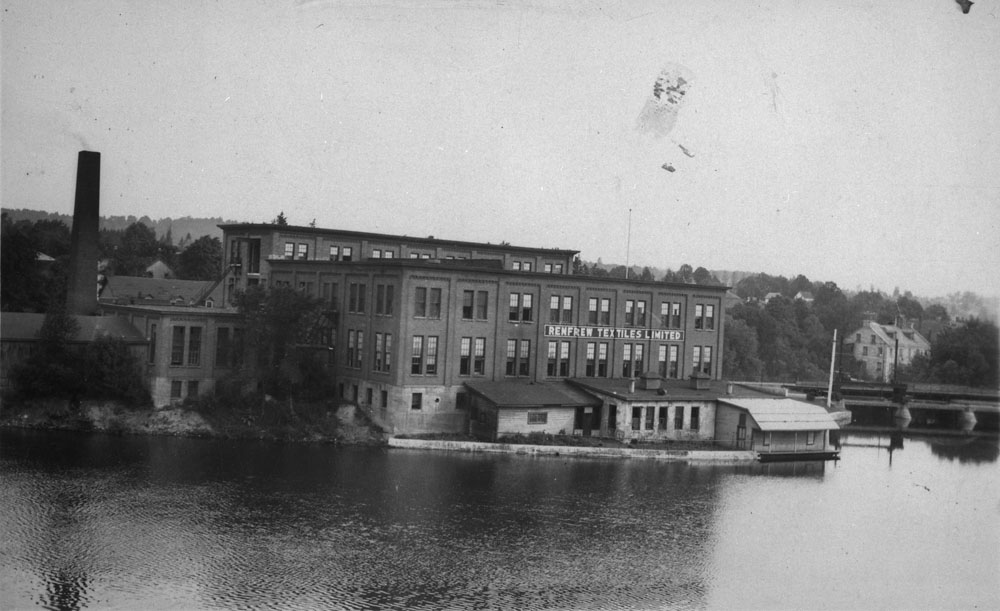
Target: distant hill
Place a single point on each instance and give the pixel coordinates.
(183, 229)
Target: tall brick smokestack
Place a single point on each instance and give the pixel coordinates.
(81, 296)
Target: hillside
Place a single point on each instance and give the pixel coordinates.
(179, 228)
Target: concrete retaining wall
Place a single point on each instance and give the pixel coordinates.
(539, 450)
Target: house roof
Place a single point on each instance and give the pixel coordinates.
(135, 289)
(888, 334)
(778, 414)
(23, 326)
(527, 394)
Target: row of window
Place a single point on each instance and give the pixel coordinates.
(643, 418)
(645, 415)
(472, 357)
(186, 346)
(475, 306)
(177, 389)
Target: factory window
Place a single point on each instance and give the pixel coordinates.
(695, 418)
(598, 311)
(152, 343)
(810, 437)
(177, 346)
(678, 417)
(303, 252)
(465, 356)
(635, 313)
(479, 357)
(388, 254)
(417, 400)
(432, 353)
(376, 253)
(176, 387)
(670, 315)
(559, 268)
(348, 254)
(547, 268)
(632, 360)
(384, 398)
(636, 418)
(526, 266)
(516, 266)
(194, 346)
(704, 317)
(334, 253)
(520, 307)
(383, 299)
(561, 309)
(468, 304)
(427, 302)
(356, 297)
(417, 355)
(538, 417)
(558, 363)
(482, 304)
(289, 250)
(662, 424)
(518, 355)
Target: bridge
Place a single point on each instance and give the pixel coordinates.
(913, 405)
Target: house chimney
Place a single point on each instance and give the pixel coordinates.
(81, 294)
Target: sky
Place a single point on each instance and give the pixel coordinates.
(850, 141)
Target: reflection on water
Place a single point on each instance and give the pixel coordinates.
(116, 522)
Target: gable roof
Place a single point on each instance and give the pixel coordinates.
(778, 414)
(163, 291)
(526, 394)
(888, 334)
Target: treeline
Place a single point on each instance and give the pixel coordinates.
(685, 273)
(786, 339)
(33, 283)
(183, 230)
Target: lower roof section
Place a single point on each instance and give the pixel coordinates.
(777, 414)
(532, 394)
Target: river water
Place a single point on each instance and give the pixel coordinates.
(103, 522)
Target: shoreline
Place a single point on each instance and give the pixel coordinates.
(729, 456)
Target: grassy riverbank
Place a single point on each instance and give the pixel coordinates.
(269, 420)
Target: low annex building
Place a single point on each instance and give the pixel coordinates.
(774, 427)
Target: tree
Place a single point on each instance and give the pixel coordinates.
(703, 276)
(52, 370)
(685, 273)
(139, 247)
(936, 313)
(202, 260)
(280, 220)
(967, 355)
(276, 322)
(18, 289)
(740, 359)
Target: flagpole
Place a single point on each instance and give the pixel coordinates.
(628, 243)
